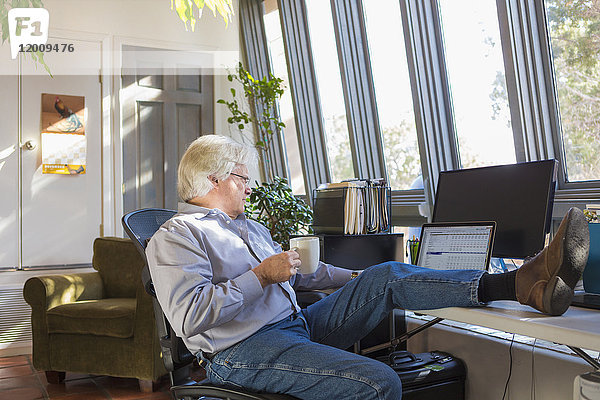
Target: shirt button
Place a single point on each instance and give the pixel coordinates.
(227, 222)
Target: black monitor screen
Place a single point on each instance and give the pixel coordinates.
(519, 197)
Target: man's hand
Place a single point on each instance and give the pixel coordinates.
(277, 268)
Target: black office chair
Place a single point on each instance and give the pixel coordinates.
(140, 225)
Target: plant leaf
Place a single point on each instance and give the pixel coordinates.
(182, 7)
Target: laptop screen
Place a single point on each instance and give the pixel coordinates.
(456, 245)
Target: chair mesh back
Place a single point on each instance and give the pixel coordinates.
(144, 223)
(140, 225)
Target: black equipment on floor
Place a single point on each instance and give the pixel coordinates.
(428, 376)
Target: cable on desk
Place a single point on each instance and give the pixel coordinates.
(510, 365)
(533, 369)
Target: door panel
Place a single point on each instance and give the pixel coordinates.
(186, 81)
(189, 121)
(151, 155)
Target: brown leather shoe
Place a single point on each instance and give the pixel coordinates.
(546, 281)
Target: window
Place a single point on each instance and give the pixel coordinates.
(477, 82)
(286, 109)
(449, 57)
(330, 89)
(574, 29)
(393, 92)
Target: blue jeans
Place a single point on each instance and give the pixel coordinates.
(302, 355)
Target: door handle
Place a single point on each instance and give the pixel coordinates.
(29, 145)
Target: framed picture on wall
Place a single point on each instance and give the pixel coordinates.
(63, 134)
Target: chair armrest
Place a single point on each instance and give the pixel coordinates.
(145, 337)
(52, 290)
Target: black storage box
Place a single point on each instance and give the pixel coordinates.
(428, 376)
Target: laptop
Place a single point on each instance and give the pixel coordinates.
(456, 245)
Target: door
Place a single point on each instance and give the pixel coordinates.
(62, 214)
(166, 104)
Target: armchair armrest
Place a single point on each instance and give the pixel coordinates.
(45, 292)
(50, 291)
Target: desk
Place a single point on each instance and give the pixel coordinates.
(362, 251)
(577, 328)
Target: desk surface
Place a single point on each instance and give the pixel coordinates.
(578, 327)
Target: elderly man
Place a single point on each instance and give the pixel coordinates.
(228, 289)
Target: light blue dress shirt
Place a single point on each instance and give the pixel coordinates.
(201, 261)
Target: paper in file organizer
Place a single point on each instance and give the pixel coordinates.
(354, 211)
(352, 208)
(377, 218)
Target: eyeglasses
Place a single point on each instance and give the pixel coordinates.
(245, 178)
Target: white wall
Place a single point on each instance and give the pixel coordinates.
(147, 19)
(536, 374)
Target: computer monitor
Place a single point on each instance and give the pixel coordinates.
(519, 197)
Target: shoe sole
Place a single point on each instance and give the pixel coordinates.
(575, 248)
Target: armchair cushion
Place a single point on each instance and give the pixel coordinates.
(119, 264)
(106, 317)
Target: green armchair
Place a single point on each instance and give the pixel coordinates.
(99, 322)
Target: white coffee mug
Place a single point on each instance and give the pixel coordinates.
(308, 249)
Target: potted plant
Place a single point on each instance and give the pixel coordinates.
(272, 203)
(275, 206)
(591, 273)
(263, 95)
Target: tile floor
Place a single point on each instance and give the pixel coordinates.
(20, 381)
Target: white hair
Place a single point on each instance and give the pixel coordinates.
(210, 156)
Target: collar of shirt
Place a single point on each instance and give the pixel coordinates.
(239, 226)
(187, 208)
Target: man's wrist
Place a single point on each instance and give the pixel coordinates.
(261, 278)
